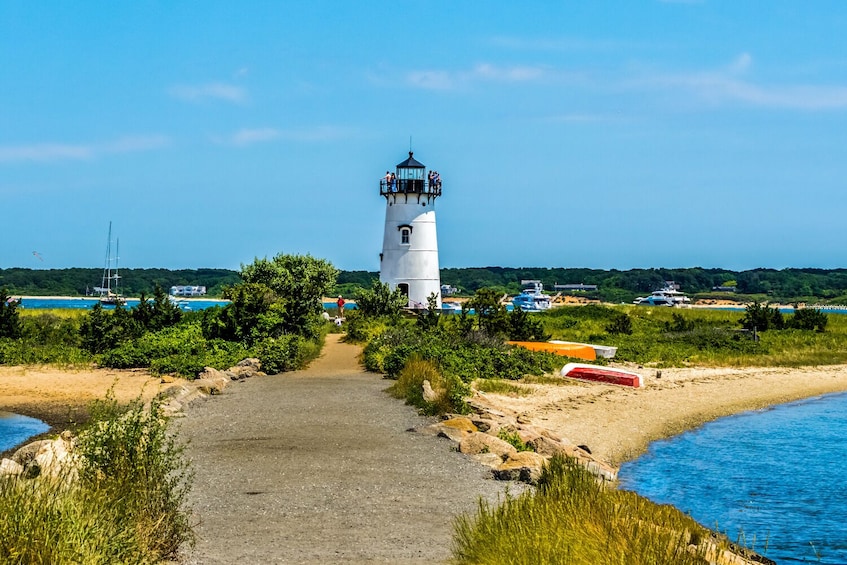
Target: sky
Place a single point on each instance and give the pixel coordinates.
(628, 134)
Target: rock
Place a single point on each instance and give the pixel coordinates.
(523, 419)
(429, 395)
(10, 468)
(192, 398)
(521, 466)
(24, 455)
(455, 428)
(172, 392)
(482, 425)
(584, 448)
(490, 459)
(211, 386)
(250, 362)
(55, 458)
(543, 445)
(246, 368)
(210, 373)
(478, 442)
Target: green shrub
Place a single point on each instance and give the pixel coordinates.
(808, 319)
(126, 505)
(286, 353)
(620, 324)
(514, 439)
(180, 350)
(450, 392)
(573, 519)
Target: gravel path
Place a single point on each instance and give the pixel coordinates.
(315, 466)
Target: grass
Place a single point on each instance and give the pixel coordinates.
(449, 392)
(501, 386)
(710, 337)
(571, 518)
(124, 506)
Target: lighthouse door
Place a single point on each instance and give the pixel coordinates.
(404, 288)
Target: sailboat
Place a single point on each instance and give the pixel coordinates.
(109, 289)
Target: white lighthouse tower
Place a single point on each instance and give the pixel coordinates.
(409, 258)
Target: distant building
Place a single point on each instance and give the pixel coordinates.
(188, 290)
(670, 285)
(447, 290)
(580, 286)
(724, 288)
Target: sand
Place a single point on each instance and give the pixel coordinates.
(618, 423)
(61, 397)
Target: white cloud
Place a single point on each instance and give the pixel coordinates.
(216, 90)
(248, 136)
(741, 63)
(727, 86)
(49, 152)
(483, 72)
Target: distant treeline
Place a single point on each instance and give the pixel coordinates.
(621, 286)
(75, 282)
(785, 285)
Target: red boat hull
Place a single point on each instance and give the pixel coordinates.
(598, 374)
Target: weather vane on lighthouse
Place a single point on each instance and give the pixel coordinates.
(409, 258)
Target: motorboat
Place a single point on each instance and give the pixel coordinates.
(532, 297)
(664, 297)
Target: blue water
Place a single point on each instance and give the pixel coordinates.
(16, 429)
(37, 303)
(777, 475)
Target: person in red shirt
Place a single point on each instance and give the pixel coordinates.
(340, 304)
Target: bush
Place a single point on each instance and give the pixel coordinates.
(450, 392)
(285, 353)
(571, 518)
(180, 350)
(620, 324)
(125, 507)
(808, 319)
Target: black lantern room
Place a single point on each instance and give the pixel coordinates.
(410, 177)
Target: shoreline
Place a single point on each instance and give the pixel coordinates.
(61, 398)
(618, 424)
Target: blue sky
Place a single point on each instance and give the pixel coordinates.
(567, 134)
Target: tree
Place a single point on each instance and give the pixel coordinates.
(808, 319)
(380, 300)
(10, 324)
(490, 313)
(428, 319)
(299, 283)
(523, 328)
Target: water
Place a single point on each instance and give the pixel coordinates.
(16, 429)
(777, 475)
(83, 303)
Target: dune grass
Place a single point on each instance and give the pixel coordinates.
(122, 504)
(571, 518)
(671, 337)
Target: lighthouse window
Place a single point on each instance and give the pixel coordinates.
(404, 236)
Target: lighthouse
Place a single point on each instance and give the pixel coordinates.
(409, 258)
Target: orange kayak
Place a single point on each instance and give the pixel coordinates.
(577, 350)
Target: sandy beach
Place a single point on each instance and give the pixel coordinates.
(61, 397)
(618, 423)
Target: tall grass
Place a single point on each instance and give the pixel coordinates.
(573, 519)
(124, 506)
(449, 391)
(707, 337)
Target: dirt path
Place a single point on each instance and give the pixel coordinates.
(316, 467)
